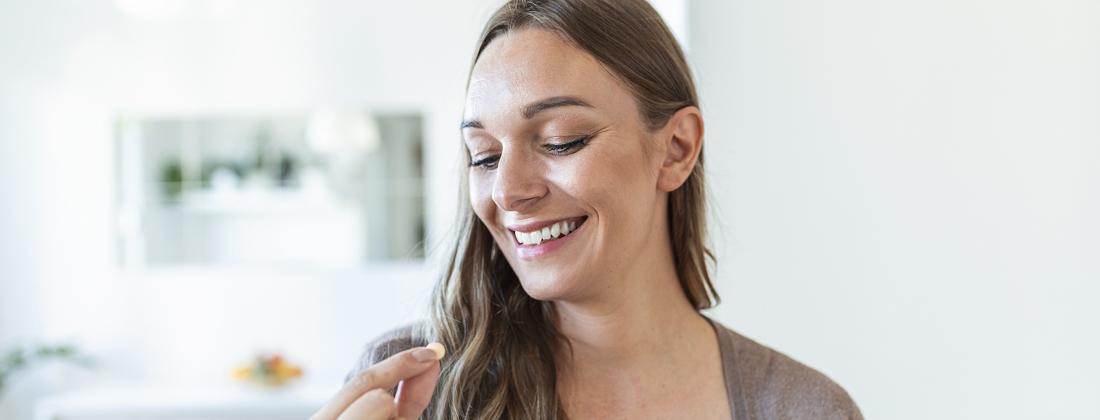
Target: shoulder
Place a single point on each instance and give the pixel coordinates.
(775, 386)
(387, 344)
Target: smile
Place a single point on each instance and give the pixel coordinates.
(546, 234)
(538, 235)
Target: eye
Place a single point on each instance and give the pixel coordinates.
(488, 162)
(567, 148)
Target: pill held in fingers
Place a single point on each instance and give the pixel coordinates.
(431, 352)
(438, 349)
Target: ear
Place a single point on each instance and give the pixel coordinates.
(682, 139)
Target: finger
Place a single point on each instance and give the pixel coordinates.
(374, 405)
(414, 394)
(385, 374)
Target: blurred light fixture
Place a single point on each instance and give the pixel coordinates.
(342, 139)
(342, 132)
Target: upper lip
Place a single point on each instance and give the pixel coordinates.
(532, 226)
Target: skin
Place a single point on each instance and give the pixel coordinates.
(414, 372)
(640, 350)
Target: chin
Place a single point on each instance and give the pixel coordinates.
(548, 286)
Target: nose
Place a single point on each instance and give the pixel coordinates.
(519, 182)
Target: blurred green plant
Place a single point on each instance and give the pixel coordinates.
(22, 358)
(171, 178)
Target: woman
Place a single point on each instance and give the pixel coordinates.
(575, 288)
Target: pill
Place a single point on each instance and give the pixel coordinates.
(438, 349)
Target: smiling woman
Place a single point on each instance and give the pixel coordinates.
(575, 287)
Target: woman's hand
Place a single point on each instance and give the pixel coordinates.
(365, 397)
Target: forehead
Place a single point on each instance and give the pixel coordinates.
(527, 65)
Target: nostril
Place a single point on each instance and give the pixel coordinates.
(514, 191)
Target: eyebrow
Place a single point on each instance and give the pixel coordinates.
(533, 108)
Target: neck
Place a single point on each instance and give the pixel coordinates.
(642, 320)
(627, 333)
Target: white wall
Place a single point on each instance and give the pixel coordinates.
(907, 193)
(68, 67)
(910, 195)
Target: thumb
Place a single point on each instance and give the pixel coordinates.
(414, 394)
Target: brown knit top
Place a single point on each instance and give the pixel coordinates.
(761, 383)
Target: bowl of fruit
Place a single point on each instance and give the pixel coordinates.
(267, 371)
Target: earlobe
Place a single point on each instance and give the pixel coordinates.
(683, 137)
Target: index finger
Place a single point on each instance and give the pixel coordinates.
(385, 374)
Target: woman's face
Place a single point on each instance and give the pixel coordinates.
(555, 139)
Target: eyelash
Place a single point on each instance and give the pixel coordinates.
(558, 149)
(569, 147)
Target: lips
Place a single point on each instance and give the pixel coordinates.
(546, 234)
(533, 234)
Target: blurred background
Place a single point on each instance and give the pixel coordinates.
(209, 206)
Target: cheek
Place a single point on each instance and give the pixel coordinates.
(607, 179)
(620, 186)
(481, 197)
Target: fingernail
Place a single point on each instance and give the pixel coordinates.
(424, 355)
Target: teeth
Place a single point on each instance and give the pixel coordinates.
(554, 231)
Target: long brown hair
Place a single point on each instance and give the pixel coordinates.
(503, 342)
